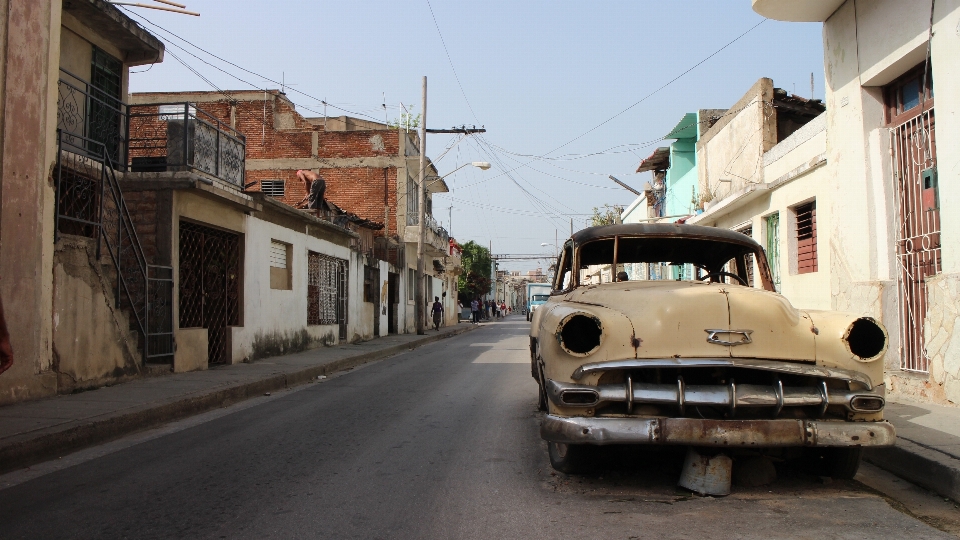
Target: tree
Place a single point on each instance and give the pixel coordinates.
(475, 279)
(407, 120)
(609, 215)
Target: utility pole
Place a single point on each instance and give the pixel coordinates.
(421, 212)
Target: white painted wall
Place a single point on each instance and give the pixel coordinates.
(280, 313)
(867, 45)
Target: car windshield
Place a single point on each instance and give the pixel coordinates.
(540, 297)
(673, 258)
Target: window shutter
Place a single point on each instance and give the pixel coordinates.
(278, 255)
(807, 238)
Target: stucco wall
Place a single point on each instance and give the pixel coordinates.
(732, 149)
(28, 121)
(276, 319)
(866, 45)
(92, 340)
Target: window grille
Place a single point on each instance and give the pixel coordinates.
(326, 293)
(272, 188)
(807, 238)
(773, 247)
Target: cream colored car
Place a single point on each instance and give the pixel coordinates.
(688, 351)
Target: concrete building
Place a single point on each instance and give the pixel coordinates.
(763, 173)
(890, 69)
(55, 56)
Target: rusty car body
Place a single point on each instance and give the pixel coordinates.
(698, 357)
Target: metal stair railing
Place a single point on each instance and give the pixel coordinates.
(106, 212)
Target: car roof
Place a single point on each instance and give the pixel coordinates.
(662, 229)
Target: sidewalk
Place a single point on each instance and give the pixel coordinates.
(34, 431)
(927, 452)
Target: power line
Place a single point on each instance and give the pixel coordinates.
(449, 59)
(151, 23)
(644, 98)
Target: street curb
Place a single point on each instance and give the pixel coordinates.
(24, 453)
(919, 465)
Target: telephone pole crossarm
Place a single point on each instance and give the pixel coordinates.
(466, 131)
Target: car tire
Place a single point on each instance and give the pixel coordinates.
(570, 458)
(842, 463)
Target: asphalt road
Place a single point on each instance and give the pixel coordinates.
(441, 442)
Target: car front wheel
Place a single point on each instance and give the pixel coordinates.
(843, 463)
(570, 458)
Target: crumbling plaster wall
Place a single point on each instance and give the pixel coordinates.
(92, 340)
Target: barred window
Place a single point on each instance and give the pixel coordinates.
(273, 188)
(324, 274)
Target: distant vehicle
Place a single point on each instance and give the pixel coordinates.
(537, 294)
(698, 356)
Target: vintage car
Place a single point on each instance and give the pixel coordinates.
(690, 352)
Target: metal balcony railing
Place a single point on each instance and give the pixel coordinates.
(181, 136)
(432, 225)
(147, 138)
(90, 203)
(90, 121)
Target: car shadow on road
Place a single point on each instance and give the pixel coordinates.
(649, 474)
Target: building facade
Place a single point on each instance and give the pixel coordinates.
(891, 79)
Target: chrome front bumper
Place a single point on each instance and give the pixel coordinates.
(698, 432)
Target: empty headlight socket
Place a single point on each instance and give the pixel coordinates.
(580, 334)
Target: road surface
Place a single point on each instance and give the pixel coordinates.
(440, 442)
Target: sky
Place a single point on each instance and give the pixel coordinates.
(568, 91)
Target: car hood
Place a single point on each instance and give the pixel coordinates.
(664, 319)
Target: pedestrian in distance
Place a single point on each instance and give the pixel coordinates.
(475, 311)
(437, 311)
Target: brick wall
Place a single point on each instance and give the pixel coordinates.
(275, 130)
(143, 210)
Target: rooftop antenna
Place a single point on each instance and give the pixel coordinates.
(178, 8)
(384, 103)
(811, 85)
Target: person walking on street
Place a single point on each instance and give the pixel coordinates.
(474, 311)
(437, 311)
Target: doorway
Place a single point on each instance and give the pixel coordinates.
(210, 284)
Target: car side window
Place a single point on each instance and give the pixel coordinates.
(564, 269)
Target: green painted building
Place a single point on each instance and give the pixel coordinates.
(681, 181)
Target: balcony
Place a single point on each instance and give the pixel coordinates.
(437, 239)
(181, 136)
(797, 11)
(148, 138)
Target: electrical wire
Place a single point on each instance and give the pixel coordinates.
(449, 59)
(151, 23)
(641, 100)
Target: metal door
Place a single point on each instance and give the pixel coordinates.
(209, 284)
(913, 144)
